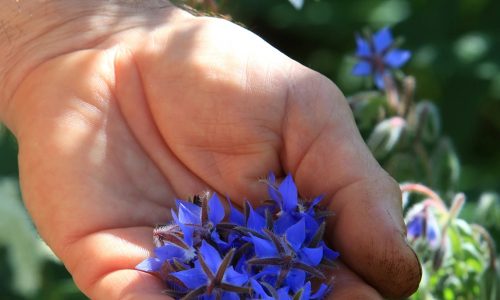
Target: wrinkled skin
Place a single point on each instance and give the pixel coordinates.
(109, 135)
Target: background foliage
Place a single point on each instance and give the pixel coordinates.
(456, 61)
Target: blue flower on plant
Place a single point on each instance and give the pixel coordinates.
(421, 223)
(378, 56)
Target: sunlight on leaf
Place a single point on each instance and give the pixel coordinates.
(26, 252)
(297, 3)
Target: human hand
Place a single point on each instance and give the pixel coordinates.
(166, 105)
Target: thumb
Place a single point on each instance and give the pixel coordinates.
(325, 152)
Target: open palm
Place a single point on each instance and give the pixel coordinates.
(112, 134)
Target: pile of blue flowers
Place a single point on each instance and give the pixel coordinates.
(274, 251)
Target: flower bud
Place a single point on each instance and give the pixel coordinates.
(428, 121)
(445, 166)
(386, 136)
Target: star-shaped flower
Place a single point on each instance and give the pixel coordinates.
(378, 56)
(289, 258)
(212, 275)
(293, 209)
(194, 219)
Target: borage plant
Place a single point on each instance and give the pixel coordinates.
(275, 251)
(458, 258)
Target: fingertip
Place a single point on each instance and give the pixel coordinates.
(370, 234)
(348, 286)
(357, 293)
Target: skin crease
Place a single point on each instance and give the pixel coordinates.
(110, 134)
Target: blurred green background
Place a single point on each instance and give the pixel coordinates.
(456, 61)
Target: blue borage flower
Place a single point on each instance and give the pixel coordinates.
(275, 251)
(422, 224)
(378, 56)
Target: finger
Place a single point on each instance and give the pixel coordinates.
(347, 285)
(325, 152)
(103, 265)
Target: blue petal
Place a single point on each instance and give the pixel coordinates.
(315, 202)
(311, 256)
(271, 178)
(230, 296)
(192, 278)
(362, 68)
(270, 273)
(312, 226)
(241, 265)
(431, 234)
(187, 204)
(296, 234)
(174, 216)
(295, 279)
(187, 231)
(382, 40)
(151, 264)
(397, 58)
(188, 235)
(189, 213)
(222, 245)
(235, 216)
(285, 221)
(288, 191)
(263, 248)
(255, 221)
(169, 251)
(320, 293)
(329, 253)
(234, 278)
(415, 227)
(261, 209)
(283, 293)
(211, 256)
(363, 47)
(215, 210)
(259, 290)
(271, 189)
(307, 291)
(379, 79)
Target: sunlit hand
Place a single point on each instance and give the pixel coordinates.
(109, 135)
